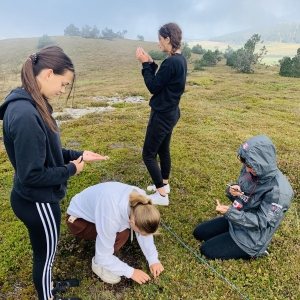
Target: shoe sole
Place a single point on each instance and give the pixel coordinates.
(103, 278)
(163, 204)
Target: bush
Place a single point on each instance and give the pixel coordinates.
(197, 49)
(209, 59)
(158, 55)
(186, 50)
(243, 58)
(89, 32)
(140, 38)
(290, 67)
(108, 34)
(72, 30)
(44, 41)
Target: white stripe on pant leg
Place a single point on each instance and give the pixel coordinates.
(52, 241)
(51, 220)
(45, 285)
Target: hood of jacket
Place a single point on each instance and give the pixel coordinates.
(260, 153)
(15, 95)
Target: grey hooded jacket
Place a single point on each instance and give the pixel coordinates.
(254, 217)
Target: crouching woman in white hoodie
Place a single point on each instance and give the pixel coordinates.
(105, 212)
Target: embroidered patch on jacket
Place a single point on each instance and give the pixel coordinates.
(237, 205)
(244, 198)
(245, 146)
(274, 211)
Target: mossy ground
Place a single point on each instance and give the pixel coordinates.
(220, 109)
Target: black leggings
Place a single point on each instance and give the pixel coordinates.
(43, 224)
(157, 141)
(218, 242)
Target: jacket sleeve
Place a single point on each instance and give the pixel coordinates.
(105, 240)
(269, 212)
(155, 83)
(30, 153)
(69, 155)
(148, 247)
(229, 196)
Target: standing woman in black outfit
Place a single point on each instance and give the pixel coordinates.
(167, 85)
(42, 167)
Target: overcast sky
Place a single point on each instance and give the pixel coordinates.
(199, 19)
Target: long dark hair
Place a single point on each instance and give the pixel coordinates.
(173, 31)
(51, 57)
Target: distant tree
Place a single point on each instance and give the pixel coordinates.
(140, 38)
(72, 30)
(44, 41)
(290, 67)
(186, 50)
(197, 49)
(89, 32)
(120, 35)
(158, 55)
(296, 64)
(95, 32)
(209, 59)
(286, 67)
(228, 52)
(244, 58)
(108, 34)
(86, 31)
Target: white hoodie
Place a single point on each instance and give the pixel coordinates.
(107, 206)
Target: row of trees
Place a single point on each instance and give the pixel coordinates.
(93, 32)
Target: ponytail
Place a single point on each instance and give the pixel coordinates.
(146, 216)
(51, 57)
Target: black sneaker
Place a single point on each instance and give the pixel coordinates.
(62, 286)
(58, 298)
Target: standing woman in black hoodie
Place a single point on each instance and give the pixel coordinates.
(167, 85)
(42, 167)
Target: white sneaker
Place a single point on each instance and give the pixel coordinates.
(158, 199)
(152, 188)
(104, 274)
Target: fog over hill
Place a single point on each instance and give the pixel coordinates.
(282, 32)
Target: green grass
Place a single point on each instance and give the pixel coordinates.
(220, 109)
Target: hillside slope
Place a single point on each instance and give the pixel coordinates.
(282, 32)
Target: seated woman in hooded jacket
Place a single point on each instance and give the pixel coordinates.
(260, 199)
(105, 212)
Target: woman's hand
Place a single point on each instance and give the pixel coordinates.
(139, 276)
(156, 269)
(91, 156)
(221, 208)
(79, 164)
(142, 55)
(235, 190)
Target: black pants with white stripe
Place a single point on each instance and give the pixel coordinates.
(43, 223)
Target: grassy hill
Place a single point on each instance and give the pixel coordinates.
(220, 109)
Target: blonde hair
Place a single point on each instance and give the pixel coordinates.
(146, 216)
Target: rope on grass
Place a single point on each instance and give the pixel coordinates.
(187, 247)
(202, 260)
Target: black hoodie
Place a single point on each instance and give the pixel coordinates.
(42, 166)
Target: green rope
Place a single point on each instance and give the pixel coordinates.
(187, 247)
